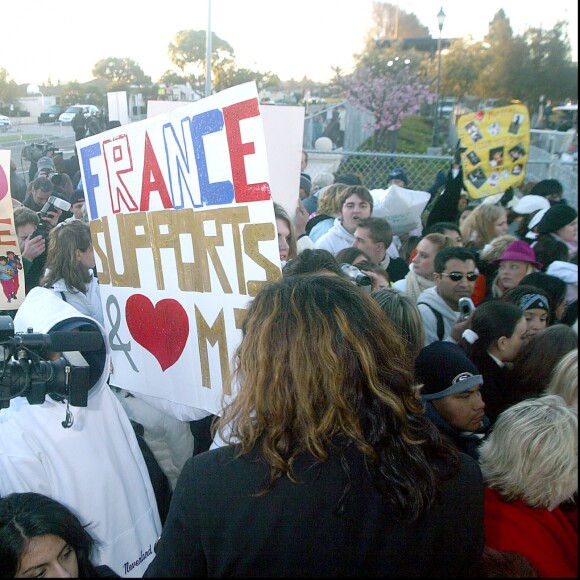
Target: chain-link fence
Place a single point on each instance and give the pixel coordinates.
(374, 168)
(421, 170)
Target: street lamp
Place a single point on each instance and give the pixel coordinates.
(208, 52)
(440, 20)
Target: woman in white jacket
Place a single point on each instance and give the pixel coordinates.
(69, 268)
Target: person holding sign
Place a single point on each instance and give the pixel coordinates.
(331, 467)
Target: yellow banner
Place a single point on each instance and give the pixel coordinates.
(497, 143)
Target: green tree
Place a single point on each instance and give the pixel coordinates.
(460, 68)
(551, 71)
(74, 92)
(120, 72)
(170, 77)
(188, 53)
(390, 22)
(8, 88)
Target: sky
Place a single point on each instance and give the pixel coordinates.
(291, 39)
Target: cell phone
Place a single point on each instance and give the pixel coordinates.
(466, 307)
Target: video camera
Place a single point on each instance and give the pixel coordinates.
(25, 372)
(34, 151)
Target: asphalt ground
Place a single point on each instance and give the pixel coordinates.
(61, 136)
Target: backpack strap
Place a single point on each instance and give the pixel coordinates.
(439, 317)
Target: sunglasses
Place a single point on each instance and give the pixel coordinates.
(457, 276)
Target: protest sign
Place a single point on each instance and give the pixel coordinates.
(497, 143)
(283, 131)
(11, 273)
(184, 234)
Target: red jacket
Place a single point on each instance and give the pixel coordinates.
(546, 538)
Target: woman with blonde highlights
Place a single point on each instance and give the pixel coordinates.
(530, 466)
(332, 469)
(485, 223)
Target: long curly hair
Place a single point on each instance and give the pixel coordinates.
(61, 259)
(320, 363)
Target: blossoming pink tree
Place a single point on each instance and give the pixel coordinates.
(389, 96)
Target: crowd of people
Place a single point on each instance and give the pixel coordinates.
(405, 405)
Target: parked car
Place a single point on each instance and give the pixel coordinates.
(4, 123)
(51, 114)
(68, 115)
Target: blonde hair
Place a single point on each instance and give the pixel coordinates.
(532, 452)
(564, 381)
(403, 311)
(479, 228)
(494, 249)
(441, 241)
(329, 201)
(497, 292)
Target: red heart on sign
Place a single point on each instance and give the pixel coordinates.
(162, 329)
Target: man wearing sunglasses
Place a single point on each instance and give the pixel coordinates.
(455, 276)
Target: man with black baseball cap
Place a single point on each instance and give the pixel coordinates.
(451, 393)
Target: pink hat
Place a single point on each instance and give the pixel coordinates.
(519, 251)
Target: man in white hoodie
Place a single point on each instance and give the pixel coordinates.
(87, 458)
(455, 276)
(356, 204)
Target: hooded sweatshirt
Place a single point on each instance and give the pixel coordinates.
(95, 467)
(335, 239)
(432, 298)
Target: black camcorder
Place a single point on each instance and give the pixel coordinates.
(25, 372)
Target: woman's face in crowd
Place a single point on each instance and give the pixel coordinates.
(464, 215)
(536, 321)
(48, 556)
(283, 237)
(423, 262)
(511, 273)
(87, 258)
(501, 226)
(513, 344)
(569, 233)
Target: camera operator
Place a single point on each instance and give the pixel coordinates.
(40, 191)
(32, 245)
(87, 456)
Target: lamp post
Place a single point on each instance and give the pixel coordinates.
(208, 52)
(440, 20)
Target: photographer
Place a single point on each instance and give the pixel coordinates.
(32, 245)
(74, 443)
(41, 191)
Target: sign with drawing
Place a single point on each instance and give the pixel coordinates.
(184, 233)
(11, 272)
(497, 143)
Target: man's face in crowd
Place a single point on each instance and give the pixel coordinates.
(354, 209)
(22, 232)
(374, 250)
(40, 196)
(451, 291)
(77, 209)
(464, 411)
